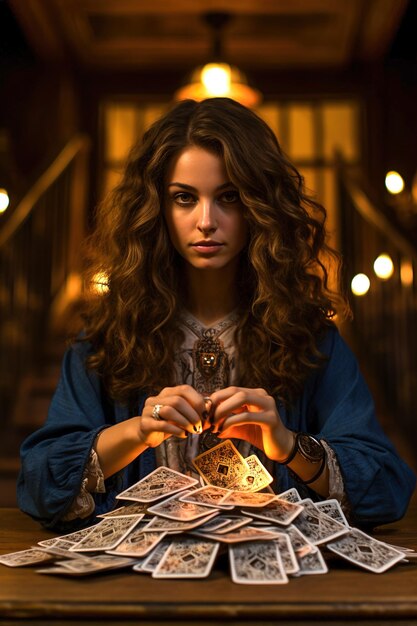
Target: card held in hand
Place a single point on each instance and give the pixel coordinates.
(222, 465)
(256, 478)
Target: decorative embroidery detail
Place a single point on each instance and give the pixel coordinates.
(336, 484)
(83, 504)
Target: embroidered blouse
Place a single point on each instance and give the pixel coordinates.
(217, 341)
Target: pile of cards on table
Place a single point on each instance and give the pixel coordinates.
(169, 526)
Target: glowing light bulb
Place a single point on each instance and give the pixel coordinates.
(216, 79)
(384, 267)
(394, 182)
(4, 200)
(406, 273)
(360, 284)
(99, 284)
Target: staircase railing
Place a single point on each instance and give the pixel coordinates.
(385, 318)
(40, 264)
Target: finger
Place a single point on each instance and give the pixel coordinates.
(177, 409)
(243, 401)
(187, 392)
(243, 418)
(150, 425)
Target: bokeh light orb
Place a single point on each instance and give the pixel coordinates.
(394, 182)
(383, 266)
(360, 284)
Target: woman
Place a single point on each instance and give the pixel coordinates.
(217, 302)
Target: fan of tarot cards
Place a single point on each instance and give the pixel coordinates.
(170, 526)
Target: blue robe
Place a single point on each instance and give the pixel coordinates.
(335, 405)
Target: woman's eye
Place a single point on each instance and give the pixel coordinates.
(183, 198)
(230, 197)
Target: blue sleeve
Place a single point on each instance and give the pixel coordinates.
(54, 457)
(378, 483)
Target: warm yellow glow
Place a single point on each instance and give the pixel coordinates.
(360, 284)
(219, 80)
(384, 267)
(394, 182)
(406, 273)
(100, 283)
(4, 200)
(216, 79)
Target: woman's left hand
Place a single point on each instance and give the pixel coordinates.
(251, 414)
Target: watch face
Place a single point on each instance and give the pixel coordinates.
(310, 448)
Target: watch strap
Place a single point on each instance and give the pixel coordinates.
(292, 453)
(317, 474)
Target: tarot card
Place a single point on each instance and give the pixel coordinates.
(277, 511)
(233, 522)
(136, 508)
(248, 498)
(22, 558)
(138, 565)
(107, 534)
(175, 526)
(176, 509)
(58, 570)
(311, 563)
(365, 551)
(333, 509)
(256, 478)
(317, 526)
(257, 563)
(291, 495)
(214, 524)
(288, 556)
(138, 543)
(299, 542)
(73, 538)
(187, 558)
(57, 543)
(152, 560)
(85, 567)
(161, 482)
(222, 465)
(63, 552)
(246, 533)
(209, 495)
(102, 561)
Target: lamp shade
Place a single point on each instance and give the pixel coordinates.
(219, 80)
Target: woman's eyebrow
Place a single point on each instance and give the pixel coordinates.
(191, 188)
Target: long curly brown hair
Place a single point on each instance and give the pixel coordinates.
(286, 302)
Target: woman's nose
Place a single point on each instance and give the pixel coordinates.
(207, 221)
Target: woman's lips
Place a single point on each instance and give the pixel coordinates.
(207, 247)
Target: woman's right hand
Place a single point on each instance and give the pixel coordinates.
(181, 410)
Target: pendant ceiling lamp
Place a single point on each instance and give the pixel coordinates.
(217, 78)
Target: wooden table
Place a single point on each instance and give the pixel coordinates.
(346, 593)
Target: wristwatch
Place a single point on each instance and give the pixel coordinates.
(309, 447)
(312, 450)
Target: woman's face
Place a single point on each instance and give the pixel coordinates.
(203, 210)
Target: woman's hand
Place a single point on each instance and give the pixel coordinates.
(251, 414)
(180, 412)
